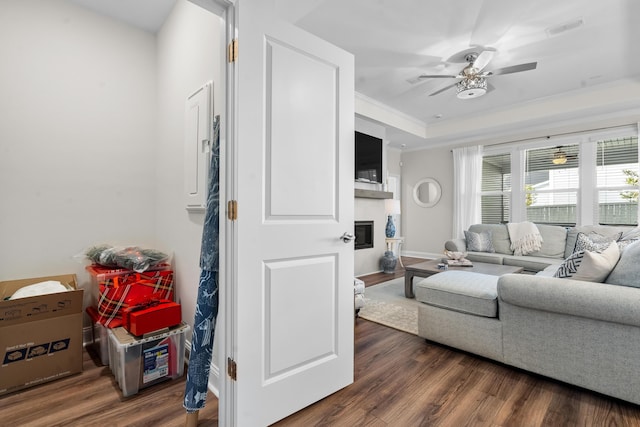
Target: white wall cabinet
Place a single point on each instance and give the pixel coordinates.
(197, 146)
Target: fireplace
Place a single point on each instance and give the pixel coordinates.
(364, 234)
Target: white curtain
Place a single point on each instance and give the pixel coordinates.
(467, 180)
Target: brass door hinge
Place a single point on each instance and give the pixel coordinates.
(232, 51)
(231, 368)
(232, 210)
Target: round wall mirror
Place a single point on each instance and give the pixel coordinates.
(427, 192)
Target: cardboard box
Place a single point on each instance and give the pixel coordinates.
(40, 336)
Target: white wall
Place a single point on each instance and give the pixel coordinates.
(427, 229)
(368, 260)
(190, 53)
(92, 134)
(77, 136)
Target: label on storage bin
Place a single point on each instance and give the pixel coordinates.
(156, 363)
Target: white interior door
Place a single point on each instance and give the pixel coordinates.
(293, 291)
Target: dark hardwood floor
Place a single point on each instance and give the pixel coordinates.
(400, 380)
(375, 278)
(92, 398)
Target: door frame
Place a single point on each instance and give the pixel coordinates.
(227, 315)
(225, 324)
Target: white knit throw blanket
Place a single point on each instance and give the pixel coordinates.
(525, 237)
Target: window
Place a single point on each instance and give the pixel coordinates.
(585, 178)
(496, 189)
(617, 181)
(551, 184)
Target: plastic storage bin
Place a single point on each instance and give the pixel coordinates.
(100, 336)
(138, 363)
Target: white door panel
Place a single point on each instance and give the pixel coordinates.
(313, 310)
(293, 304)
(304, 147)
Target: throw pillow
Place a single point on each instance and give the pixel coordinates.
(479, 242)
(627, 271)
(570, 265)
(595, 267)
(590, 266)
(622, 244)
(594, 242)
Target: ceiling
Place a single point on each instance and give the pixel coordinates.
(148, 15)
(394, 41)
(579, 46)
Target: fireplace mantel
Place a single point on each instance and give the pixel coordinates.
(372, 194)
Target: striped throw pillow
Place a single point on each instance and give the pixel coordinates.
(570, 265)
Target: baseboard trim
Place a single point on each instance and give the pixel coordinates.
(366, 274)
(425, 255)
(214, 371)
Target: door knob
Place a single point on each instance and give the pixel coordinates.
(347, 237)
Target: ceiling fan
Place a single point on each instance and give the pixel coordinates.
(473, 80)
(560, 157)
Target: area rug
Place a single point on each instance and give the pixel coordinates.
(386, 304)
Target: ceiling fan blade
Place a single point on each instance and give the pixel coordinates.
(512, 69)
(483, 60)
(443, 89)
(439, 76)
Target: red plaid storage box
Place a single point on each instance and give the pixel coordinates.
(114, 290)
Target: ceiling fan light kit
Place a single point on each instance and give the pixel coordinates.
(559, 158)
(473, 87)
(473, 82)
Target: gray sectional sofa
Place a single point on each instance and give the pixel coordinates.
(579, 332)
(558, 243)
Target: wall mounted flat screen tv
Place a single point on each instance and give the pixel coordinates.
(368, 158)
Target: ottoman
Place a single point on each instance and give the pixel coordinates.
(460, 309)
(358, 295)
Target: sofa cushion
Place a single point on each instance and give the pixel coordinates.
(479, 242)
(462, 291)
(485, 257)
(594, 242)
(631, 234)
(499, 236)
(548, 272)
(554, 239)
(618, 304)
(627, 270)
(530, 263)
(622, 244)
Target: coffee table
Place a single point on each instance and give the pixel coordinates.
(428, 268)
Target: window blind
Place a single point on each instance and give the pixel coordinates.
(617, 181)
(496, 187)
